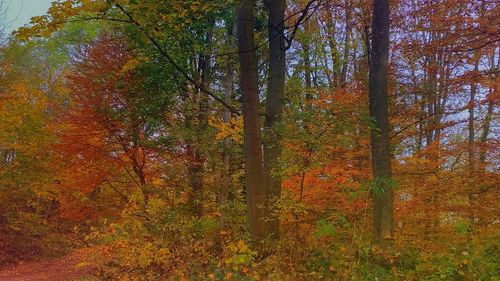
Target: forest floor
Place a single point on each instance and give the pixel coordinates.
(66, 268)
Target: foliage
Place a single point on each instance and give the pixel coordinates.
(110, 138)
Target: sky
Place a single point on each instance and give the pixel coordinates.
(20, 11)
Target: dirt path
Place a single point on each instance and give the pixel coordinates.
(61, 269)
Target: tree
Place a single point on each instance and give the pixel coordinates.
(129, 134)
(254, 174)
(274, 109)
(379, 112)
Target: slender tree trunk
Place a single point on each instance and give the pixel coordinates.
(489, 112)
(307, 71)
(347, 43)
(472, 105)
(325, 68)
(274, 108)
(431, 96)
(380, 149)
(332, 43)
(226, 116)
(306, 48)
(135, 150)
(471, 180)
(441, 100)
(196, 166)
(486, 131)
(254, 176)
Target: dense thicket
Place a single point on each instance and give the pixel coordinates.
(254, 140)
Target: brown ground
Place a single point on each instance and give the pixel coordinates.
(60, 269)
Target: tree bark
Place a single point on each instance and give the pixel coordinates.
(306, 48)
(486, 131)
(380, 149)
(489, 113)
(254, 176)
(330, 29)
(226, 117)
(196, 166)
(472, 105)
(347, 43)
(274, 108)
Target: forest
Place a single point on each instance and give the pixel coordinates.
(251, 140)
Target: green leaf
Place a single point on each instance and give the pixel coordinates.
(380, 185)
(324, 229)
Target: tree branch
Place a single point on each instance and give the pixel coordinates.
(174, 64)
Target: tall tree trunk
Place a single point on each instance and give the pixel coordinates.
(226, 116)
(441, 99)
(380, 149)
(254, 176)
(471, 179)
(307, 70)
(472, 105)
(274, 108)
(196, 166)
(330, 29)
(347, 43)
(486, 130)
(134, 149)
(306, 48)
(489, 112)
